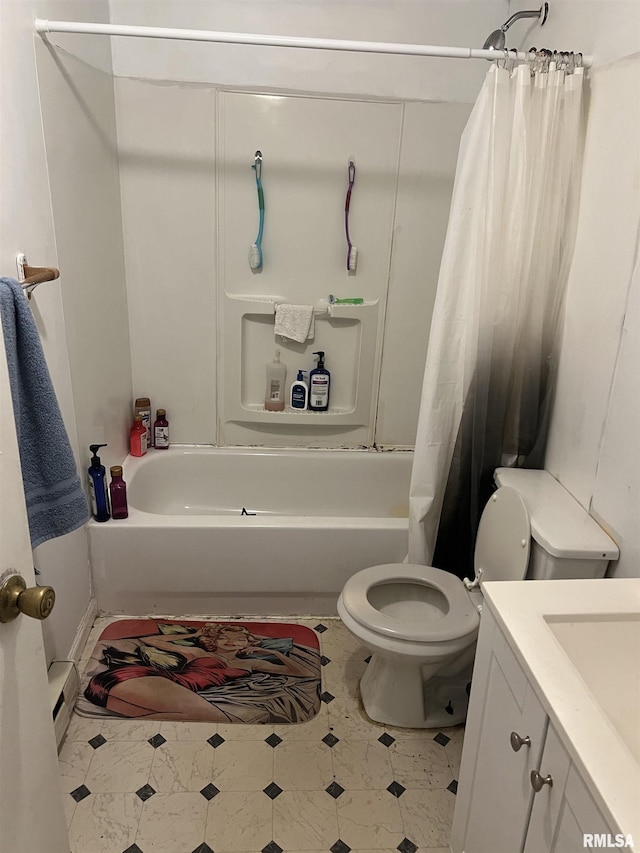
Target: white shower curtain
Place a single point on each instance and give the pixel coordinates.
(491, 356)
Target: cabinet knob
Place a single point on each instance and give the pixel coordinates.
(538, 781)
(517, 742)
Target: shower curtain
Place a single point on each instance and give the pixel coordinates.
(492, 348)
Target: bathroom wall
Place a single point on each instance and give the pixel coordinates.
(166, 143)
(166, 181)
(437, 94)
(78, 120)
(27, 224)
(465, 23)
(78, 115)
(593, 444)
(169, 114)
(167, 135)
(608, 31)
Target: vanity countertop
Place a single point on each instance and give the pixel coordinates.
(579, 642)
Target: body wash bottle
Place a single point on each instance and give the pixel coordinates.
(274, 394)
(319, 386)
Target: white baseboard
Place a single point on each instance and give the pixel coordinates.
(64, 680)
(84, 629)
(64, 686)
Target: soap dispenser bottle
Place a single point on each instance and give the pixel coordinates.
(319, 385)
(274, 394)
(98, 486)
(299, 394)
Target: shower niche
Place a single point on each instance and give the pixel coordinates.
(306, 145)
(350, 331)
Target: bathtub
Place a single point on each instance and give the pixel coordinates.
(230, 531)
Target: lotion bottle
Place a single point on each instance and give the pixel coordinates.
(299, 393)
(319, 386)
(274, 394)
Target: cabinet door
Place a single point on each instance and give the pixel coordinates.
(494, 793)
(564, 811)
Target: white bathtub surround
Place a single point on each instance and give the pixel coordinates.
(314, 518)
(303, 178)
(161, 158)
(337, 778)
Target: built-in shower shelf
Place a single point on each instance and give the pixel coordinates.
(346, 333)
(322, 308)
(308, 418)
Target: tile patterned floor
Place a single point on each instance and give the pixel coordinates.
(338, 783)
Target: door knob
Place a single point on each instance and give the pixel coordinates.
(15, 598)
(538, 781)
(517, 741)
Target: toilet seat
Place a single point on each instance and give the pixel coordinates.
(459, 621)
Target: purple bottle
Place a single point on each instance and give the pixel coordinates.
(118, 492)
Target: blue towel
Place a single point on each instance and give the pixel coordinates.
(55, 501)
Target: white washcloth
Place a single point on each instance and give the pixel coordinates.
(295, 322)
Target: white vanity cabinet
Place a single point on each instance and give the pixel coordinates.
(508, 736)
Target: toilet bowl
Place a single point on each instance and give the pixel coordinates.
(417, 621)
(421, 623)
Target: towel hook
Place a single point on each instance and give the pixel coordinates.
(257, 164)
(30, 277)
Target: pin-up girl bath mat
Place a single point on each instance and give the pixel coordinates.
(222, 672)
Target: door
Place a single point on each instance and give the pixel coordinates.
(31, 807)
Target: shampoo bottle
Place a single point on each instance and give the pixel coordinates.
(142, 407)
(319, 385)
(299, 396)
(274, 394)
(138, 437)
(98, 486)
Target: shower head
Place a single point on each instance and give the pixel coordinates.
(497, 40)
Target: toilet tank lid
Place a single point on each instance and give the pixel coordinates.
(559, 524)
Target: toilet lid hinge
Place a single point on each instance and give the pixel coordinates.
(475, 582)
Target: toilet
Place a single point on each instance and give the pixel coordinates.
(421, 623)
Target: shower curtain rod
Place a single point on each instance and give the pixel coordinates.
(43, 27)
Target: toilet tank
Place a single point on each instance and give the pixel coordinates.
(566, 541)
